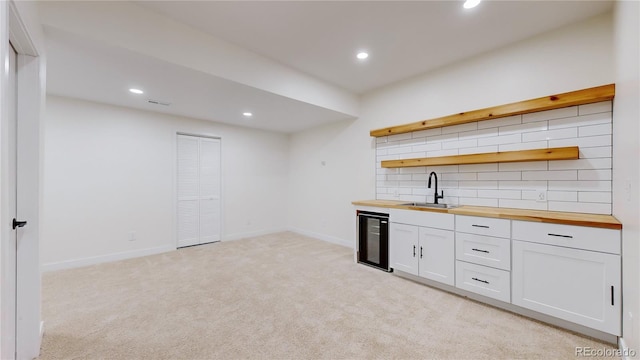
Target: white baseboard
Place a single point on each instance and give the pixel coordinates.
(324, 237)
(69, 264)
(249, 234)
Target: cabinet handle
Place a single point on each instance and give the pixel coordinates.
(482, 251)
(420, 252)
(414, 251)
(482, 281)
(564, 236)
(611, 295)
(480, 226)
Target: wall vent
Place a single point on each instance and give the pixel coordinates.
(158, 102)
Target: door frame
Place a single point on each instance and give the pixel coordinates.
(20, 26)
(175, 181)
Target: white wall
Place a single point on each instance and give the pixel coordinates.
(571, 58)
(111, 170)
(626, 165)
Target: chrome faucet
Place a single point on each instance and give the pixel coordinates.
(435, 195)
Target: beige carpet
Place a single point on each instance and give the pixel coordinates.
(281, 296)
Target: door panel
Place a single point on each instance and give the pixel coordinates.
(403, 242)
(199, 182)
(437, 259)
(8, 235)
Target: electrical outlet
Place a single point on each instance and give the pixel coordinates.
(395, 193)
(541, 195)
(132, 236)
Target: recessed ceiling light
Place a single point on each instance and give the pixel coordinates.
(247, 114)
(136, 91)
(362, 55)
(469, 4)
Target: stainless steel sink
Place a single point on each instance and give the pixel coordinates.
(430, 205)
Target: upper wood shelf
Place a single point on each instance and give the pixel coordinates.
(580, 97)
(561, 153)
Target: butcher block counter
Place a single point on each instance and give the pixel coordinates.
(554, 217)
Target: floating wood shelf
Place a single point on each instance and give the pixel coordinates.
(580, 97)
(561, 153)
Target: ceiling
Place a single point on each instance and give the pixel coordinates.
(317, 38)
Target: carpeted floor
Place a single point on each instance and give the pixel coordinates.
(280, 296)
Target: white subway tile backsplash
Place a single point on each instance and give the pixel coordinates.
(478, 167)
(447, 152)
(413, 170)
(488, 184)
(475, 201)
(589, 208)
(523, 128)
(500, 194)
(505, 121)
(428, 132)
(522, 204)
(442, 138)
(523, 166)
(398, 137)
(584, 164)
(565, 133)
(522, 185)
(594, 130)
(594, 174)
(477, 134)
(599, 107)
(550, 175)
(595, 152)
(460, 144)
(497, 140)
(500, 175)
(582, 185)
(460, 128)
(551, 114)
(428, 147)
(403, 177)
(562, 195)
(583, 142)
(586, 120)
(524, 146)
(459, 176)
(478, 150)
(593, 196)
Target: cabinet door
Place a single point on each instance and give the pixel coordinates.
(403, 244)
(575, 285)
(436, 255)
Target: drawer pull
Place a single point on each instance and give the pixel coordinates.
(482, 251)
(482, 281)
(612, 295)
(480, 226)
(564, 236)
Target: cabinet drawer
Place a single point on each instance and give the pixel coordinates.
(484, 250)
(422, 218)
(483, 280)
(483, 226)
(577, 237)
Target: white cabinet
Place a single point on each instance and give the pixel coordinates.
(436, 255)
(575, 285)
(420, 250)
(403, 245)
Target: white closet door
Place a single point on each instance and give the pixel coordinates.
(199, 181)
(209, 190)
(188, 191)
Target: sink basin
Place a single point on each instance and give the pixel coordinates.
(430, 205)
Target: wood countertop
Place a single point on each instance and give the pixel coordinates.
(554, 217)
